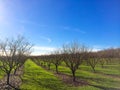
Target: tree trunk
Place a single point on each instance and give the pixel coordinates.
(8, 78)
(15, 71)
(56, 68)
(49, 66)
(93, 69)
(74, 77)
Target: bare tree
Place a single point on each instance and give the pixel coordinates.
(46, 60)
(73, 55)
(49, 62)
(56, 59)
(102, 58)
(13, 53)
(93, 59)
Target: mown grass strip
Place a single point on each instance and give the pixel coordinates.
(1, 74)
(36, 78)
(96, 79)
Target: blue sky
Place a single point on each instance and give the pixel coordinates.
(49, 24)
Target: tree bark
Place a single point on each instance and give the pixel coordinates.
(74, 77)
(49, 66)
(56, 68)
(93, 69)
(8, 78)
(15, 71)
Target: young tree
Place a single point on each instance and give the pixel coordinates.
(93, 59)
(73, 55)
(12, 54)
(56, 59)
(102, 58)
(49, 62)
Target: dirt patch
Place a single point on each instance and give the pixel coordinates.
(15, 81)
(69, 80)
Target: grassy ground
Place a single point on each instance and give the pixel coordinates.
(104, 78)
(1, 74)
(36, 78)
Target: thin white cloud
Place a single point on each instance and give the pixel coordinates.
(99, 47)
(96, 49)
(42, 50)
(74, 29)
(46, 38)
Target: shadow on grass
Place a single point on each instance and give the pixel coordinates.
(104, 88)
(99, 80)
(111, 75)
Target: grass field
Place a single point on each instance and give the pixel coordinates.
(104, 78)
(36, 78)
(1, 74)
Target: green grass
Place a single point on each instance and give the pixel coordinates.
(104, 78)
(1, 74)
(36, 78)
(113, 70)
